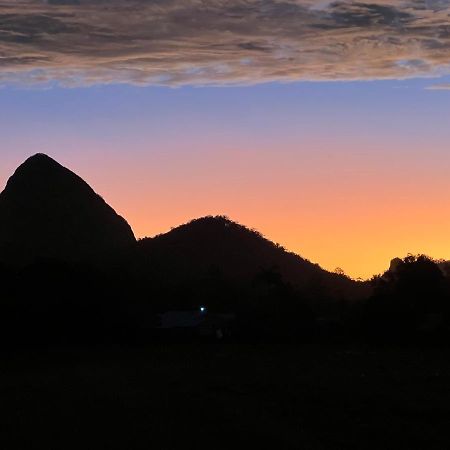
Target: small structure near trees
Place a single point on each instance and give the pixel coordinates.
(198, 322)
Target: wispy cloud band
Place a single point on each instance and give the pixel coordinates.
(439, 87)
(176, 42)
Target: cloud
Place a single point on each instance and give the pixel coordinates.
(197, 42)
(439, 87)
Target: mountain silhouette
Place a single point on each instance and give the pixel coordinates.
(47, 211)
(215, 244)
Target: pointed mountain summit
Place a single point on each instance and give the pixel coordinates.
(47, 211)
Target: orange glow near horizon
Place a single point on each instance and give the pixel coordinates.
(326, 211)
(356, 218)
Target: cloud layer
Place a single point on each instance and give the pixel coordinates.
(176, 42)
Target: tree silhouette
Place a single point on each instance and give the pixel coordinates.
(412, 289)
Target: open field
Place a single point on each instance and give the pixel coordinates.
(218, 396)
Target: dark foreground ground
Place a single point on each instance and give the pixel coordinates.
(221, 396)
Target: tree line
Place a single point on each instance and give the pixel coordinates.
(53, 302)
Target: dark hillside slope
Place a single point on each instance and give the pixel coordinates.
(46, 211)
(217, 245)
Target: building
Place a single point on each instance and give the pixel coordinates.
(197, 322)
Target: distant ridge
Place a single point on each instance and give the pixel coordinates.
(238, 253)
(47, 211)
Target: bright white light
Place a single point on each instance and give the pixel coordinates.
(202, 309)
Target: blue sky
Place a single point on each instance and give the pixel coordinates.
(295, 160)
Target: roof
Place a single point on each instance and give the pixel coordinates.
(192, 319)
(181, 319)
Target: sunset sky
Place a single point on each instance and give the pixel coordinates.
(324, 125)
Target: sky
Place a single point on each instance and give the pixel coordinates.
(324, 125)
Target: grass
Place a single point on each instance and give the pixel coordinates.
(219, 396)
